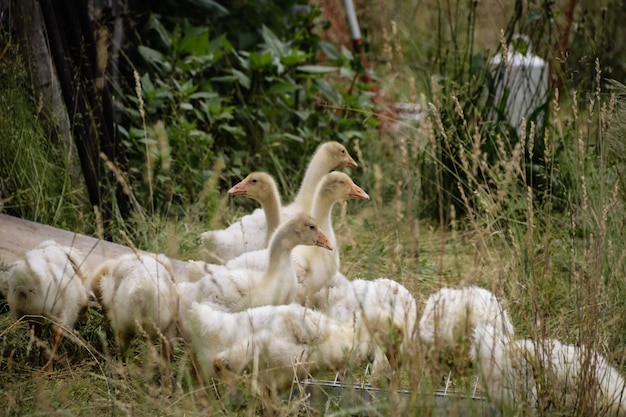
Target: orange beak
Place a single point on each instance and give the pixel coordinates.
(357, 192)
(322, 241)
(238, 189)
(351, 163)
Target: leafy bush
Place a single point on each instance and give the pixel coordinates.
(264, 108)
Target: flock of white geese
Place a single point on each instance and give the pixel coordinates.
(278, 307)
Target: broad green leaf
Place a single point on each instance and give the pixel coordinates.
(146, 84)
(211, 6)
(243, 79)
(154, 57)
(186, 88)
(347, 53)
(294, 58)
(283, 87)
(164, 36)
(347, 72)
(236, 131)
(137, 133)
(303, 114)
(260, 61)
(350, 134)
(329, 50)
(195, 42)
(316, 69)
(225, 78)
(329, 92)
(278, 48)
(293, 137)
(273, 137)
(203, 94)
(164, 93)
(122, 131)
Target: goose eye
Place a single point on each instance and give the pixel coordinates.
(254, 181)
(311, 227)
(343, 151)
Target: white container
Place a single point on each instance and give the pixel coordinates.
(526, 84)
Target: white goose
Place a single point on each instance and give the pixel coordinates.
(528, 376)
(261, 187)
(315, 268)
(249, 232)
(49, 281)
(272, 341)
(138, 294)
(450, 317)
(238, 289)
(386, 308)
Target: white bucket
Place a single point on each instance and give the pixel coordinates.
(526, 83)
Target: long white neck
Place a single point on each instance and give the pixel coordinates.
(272, 207)
(279, 279)
(313, 175)
(322, 213)
(279, 254)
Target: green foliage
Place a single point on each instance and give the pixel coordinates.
(598, 34)
(469, 92)
(39, 179)
(263, 108)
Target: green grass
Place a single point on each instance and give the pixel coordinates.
(38, 178)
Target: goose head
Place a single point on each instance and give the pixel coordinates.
(338, 186)
(336, 155)
(257, 185)
(303, 230)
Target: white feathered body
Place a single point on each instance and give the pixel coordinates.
(49, 281)
(139, 294)
(270, 339)
(238, 289)
(450, 316)
(322, 297)
(546, 375)
(249, 232)
(315, 267)
(246, 234)
(385, 307)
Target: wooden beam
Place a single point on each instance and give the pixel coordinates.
(17, 236)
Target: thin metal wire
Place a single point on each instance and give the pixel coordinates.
(448, 382)
(475, 386)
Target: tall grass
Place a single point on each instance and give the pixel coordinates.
(39, 178)
(554, 254)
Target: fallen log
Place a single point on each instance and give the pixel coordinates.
(17, 236)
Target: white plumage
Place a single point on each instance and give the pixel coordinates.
(249, 232)
(386, 308)
(450, 316)
(322, 297)
(139, 295)
(261, 187)
(272, 342)
(238, 289)
(535, 377)
(314, 267)
(49, 281)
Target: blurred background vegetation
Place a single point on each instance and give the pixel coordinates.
(203, 92)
